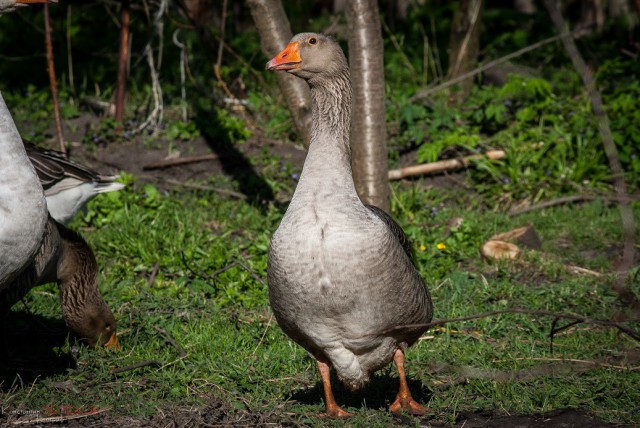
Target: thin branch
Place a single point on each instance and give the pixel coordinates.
(428, 91)
(167, 163)
(568, 200)
(154, 274)
(218, 64)
(171, 340)
(123, 57)
(183, 60)
(626, 295)
(53, 81)
(72, 85)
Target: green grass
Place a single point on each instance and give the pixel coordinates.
(236, 352)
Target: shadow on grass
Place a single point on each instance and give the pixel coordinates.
(219, 138)
(377, 395)
(31, 341)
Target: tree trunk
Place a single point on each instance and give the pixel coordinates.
(368, 122)
(275, 32)
(464, 43)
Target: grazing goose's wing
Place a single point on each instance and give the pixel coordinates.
(394, 227)
(68, 185)
(53, 167)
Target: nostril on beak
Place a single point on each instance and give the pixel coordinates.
(285, 55)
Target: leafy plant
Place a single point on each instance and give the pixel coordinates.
(179, 130)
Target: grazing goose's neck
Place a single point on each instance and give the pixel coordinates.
(77, 273)
(328, 162)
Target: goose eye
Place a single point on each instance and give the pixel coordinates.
(312, 41)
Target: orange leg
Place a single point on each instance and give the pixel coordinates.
(404, 400)
(332, 408)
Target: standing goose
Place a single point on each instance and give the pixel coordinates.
(340, 272)
(23, 210)
(68, 185)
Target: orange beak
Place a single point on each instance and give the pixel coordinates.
(288, 59)
(113, 343)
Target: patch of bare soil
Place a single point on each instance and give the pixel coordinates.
(563, 418)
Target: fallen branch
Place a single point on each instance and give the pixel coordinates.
(136, 366)
(62, 418)
(443, 165)
(554, 367)
(556, 315)
(168, 163)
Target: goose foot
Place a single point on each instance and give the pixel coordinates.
(404, 401)
(332, 409)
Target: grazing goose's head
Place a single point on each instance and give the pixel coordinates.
(96, 326)
(313, 57)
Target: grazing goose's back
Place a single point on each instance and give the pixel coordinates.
(68, 185)
(339, 272)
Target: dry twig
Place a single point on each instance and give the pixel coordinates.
(167, 163)
(181, 352)
(443, 165)
(57, 419)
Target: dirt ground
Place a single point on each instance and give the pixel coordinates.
(135, 158)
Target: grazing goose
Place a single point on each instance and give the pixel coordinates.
(11, 5)
(340, 272)
(35, 249)
(64, 257)
(68, 185)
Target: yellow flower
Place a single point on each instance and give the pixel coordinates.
(441, 246)
(422, 248)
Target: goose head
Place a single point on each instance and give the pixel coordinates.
(311, 56)
(95, 325)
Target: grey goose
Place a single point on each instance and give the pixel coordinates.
(340, 274)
